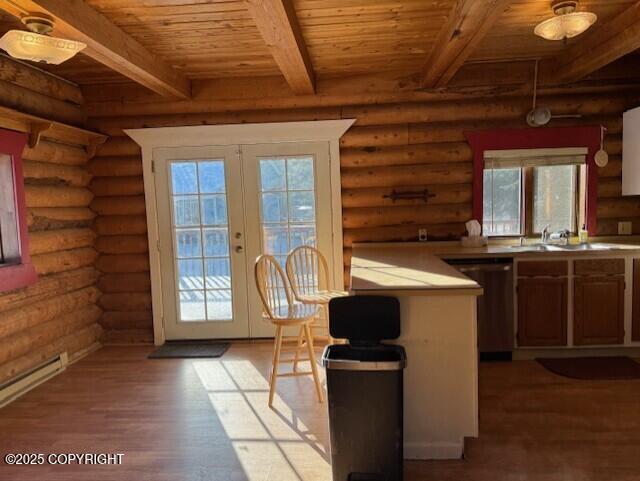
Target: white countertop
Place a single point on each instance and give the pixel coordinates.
(416, 268)
(409, 269)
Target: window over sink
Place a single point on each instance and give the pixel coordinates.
(16, 269)
(528, 190)
(552, 207)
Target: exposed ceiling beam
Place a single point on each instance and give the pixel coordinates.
(106, 43)
(606, 43)
(278, 24)
(466, 26)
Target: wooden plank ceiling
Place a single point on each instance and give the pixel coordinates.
(215, 39)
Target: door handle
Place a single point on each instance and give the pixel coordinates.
(239, 249)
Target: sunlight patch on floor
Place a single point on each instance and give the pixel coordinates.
(264, 461)
(271, 444)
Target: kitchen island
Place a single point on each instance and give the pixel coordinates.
(439, 333)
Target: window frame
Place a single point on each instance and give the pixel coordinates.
(538, 138)
(18, 274)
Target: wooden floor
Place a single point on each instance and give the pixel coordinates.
(187, 420)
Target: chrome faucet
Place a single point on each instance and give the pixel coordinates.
(544, 235)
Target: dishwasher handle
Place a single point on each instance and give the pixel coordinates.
(485, 268)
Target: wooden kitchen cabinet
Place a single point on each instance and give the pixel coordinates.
(542, 311)
(598, 307)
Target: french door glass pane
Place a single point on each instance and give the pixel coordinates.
(214, 209)
(274, 207)
(192, 306)
(186, 210)
(201, 233)
(188, 241)
(288, 213)
(190, 274)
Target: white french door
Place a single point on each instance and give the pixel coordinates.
(287, 204)
(201, 229)
(219, 208)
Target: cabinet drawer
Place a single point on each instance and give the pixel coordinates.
(598, 267)
(543, 268)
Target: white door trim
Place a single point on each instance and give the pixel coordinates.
(209, 135)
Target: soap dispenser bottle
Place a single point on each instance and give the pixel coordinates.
(583, 235)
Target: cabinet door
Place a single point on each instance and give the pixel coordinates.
(542, 312)
(598, 307)
(636, 300)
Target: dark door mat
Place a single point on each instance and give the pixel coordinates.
(189, 350)
(593, 368)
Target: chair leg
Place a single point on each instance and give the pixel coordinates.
(312, 361)
(277, 345)
(298, 346)
(330, 340)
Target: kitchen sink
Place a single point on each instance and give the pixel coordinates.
(567, 247)
(530, 247)
(587, 247)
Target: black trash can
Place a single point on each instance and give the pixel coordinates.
(365, 389)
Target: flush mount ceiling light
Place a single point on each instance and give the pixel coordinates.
(35, 45)
(567, 23)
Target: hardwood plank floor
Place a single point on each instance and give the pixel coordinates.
(192, 420)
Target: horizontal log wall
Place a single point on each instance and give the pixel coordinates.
(122, 244)
(411, 144)
(60, 312)
(35, 92)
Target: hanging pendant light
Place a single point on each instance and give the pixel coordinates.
(567, 23)
(36, 45)
(540, 116)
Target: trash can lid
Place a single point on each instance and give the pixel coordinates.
(364, 318)
(377, 358)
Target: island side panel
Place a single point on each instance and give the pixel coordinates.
(439, 333)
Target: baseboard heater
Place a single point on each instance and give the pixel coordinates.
(19, 385)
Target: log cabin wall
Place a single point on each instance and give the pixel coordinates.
(60, 312)
(400, 141)
(121, 228)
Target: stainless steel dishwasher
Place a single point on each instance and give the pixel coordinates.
(495, 306)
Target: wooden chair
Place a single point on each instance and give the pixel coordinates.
(308, 275)
(279, 309)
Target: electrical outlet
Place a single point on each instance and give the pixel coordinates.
(624, 228)
(422, 235)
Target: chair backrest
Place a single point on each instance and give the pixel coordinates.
(307, 271)
(272, 285)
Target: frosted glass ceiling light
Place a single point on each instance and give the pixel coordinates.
(35, 45)
(567, 23)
